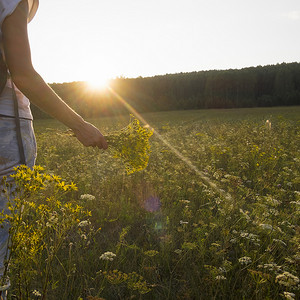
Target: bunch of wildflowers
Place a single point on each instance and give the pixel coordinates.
(131, 144)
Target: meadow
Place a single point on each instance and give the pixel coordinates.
(215, 215)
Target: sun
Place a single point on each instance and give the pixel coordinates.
(98, 83)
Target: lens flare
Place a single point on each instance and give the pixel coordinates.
(152, 204)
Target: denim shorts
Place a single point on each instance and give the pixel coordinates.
(10, 158)
(9, 151)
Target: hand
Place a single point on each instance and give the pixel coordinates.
(89, 135)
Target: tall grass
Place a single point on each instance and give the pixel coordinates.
(164, 232)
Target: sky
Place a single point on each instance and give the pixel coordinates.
(94, 40)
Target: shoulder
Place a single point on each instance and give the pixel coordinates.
(7, 7)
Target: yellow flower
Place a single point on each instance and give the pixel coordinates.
(131, 144)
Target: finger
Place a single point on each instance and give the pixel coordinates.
(102, 144)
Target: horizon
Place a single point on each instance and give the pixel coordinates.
(210, 70)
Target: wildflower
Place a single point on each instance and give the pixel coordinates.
(287, 279)
(84, 223)
(185, 201)
(87, 197)
(297, 203)
(274, 211)
(36, 293)
(178, 251)
(271, 267)
(251, 237)
(266, 226)
(52, 220)
(183, 222)
(289, 296)
(220, 277)
(244, 234)
(245, 260)
(108, 256)
(218, 200)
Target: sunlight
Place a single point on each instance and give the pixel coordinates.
(99, 83)
(201, 174)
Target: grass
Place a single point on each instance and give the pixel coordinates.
(214, 216)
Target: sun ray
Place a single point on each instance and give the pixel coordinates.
(204, 178)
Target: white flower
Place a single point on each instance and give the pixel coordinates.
(251, 237)
(108, 256)
(244, 234)
(287, 279)
(185, 201)
(183, 222)
(297, 203)
(289, 296)
(271, 267)
(266, 226)
(84, 223)
(245, 260)
(87, 197)
(52, 220)
(36, 293)
(220, 277)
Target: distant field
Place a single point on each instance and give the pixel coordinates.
(215, 215)
(257, 114)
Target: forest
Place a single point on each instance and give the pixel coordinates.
(261, 86)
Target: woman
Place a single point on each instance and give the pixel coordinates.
(14, 16)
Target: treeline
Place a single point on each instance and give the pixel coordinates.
(272, 85)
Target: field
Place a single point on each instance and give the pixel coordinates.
(215, 215)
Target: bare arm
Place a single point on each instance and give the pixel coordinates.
(31, 84)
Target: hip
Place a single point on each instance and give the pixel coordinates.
(9, 150)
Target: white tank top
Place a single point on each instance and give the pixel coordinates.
(7, 7)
